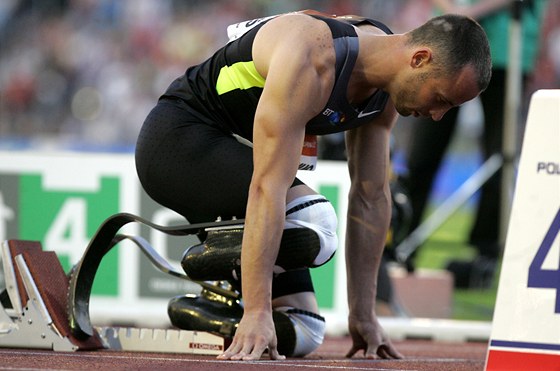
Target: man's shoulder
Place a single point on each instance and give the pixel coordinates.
(296, 30)
(296, 21)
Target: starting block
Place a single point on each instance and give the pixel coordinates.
(33, 312)
(526, 325)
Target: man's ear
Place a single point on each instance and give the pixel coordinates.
(421, 57)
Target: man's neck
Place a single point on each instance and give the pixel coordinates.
(379, 60)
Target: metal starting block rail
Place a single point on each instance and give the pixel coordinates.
(161, 341)
(33, 312)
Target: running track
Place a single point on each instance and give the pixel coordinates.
(421, 355)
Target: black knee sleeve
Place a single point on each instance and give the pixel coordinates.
(292, 282)
(285, 333)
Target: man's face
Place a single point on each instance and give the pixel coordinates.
(430, 93)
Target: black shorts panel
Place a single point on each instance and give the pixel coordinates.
(191, 167)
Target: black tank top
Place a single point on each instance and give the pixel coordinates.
(225, 89)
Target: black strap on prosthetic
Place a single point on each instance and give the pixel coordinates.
(83, 273)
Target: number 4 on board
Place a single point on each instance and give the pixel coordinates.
(546, 278)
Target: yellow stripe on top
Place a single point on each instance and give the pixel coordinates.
(240, 75)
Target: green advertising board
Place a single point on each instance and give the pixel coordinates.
(60, 200)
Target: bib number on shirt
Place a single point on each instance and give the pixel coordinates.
(308, 159)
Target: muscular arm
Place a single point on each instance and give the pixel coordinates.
(297, 87)
(367, 224)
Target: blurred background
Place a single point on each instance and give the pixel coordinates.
(81, 75)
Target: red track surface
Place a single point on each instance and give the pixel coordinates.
(421, 355)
